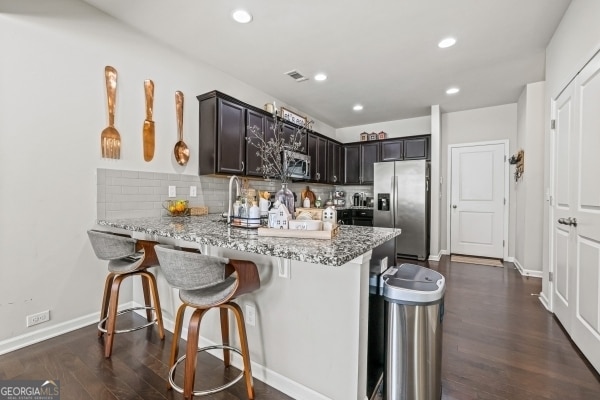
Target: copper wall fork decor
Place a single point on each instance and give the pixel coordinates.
(110, 140)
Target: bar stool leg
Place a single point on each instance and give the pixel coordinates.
(239, 316)
(150, 283)
(105, 300)
(176, 337)
(192, 353)
(225, 334)
(147, 300)
(112, 315)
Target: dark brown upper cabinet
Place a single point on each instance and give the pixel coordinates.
(392, 150)
(417, 148)
(317, 150)
(369, 155)
(334, 163)
(351, 164)
(222, 144)
(261, 122)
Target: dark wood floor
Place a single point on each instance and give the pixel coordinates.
(499, 343)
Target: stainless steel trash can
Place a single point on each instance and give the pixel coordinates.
(415, 311)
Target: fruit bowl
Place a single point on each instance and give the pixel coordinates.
(176, 208)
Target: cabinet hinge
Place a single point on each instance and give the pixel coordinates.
(503, 243)
(550, 276)
(505, 201)
(505, 158)
(552, 124)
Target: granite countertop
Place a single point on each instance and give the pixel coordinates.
(351, 242)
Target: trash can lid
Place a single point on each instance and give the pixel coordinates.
(413, 284)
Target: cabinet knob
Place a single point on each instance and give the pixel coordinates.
(453, 205)
(334, 178)
(242, 165)
(318, 176)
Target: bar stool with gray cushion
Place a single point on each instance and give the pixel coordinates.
(126, 257)
(206, 282)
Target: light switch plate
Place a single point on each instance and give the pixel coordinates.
(172, 191)
(193, 191)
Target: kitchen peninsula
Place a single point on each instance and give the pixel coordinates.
(310, 335)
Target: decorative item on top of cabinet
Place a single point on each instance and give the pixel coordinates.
(364, 137)
(372, 136)
(292, 117)
(381, 135)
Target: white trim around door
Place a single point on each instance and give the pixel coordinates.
(506, 191)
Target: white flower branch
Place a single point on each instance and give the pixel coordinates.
(270, 151)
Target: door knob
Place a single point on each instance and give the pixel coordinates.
(568, 221)
(453, 205)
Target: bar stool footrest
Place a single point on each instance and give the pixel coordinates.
(207, 391)
(137, 328)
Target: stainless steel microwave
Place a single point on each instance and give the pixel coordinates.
(296, 165)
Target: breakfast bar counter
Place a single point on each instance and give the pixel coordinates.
(211, 230)
(309, 337)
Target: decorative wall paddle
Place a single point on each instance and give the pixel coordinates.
(148, 132)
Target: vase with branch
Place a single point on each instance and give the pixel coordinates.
(270, 146)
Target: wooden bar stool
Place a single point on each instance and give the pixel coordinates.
(206, 282)
(126, 257)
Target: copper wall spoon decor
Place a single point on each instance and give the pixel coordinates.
(110, 140)
(182, 153)
(148, 131)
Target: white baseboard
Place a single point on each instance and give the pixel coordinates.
(544, 301)
(41, 334)
(438, 257)
(523, 271)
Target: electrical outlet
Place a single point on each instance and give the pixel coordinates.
(250, 316)
(172, 191)
(35, 319)
(193, 191)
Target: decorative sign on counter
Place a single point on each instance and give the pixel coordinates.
(300, 233)
(293, 117)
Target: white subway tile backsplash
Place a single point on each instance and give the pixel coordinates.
(110, 189)
(130, 174)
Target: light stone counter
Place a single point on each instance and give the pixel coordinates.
(351, 242)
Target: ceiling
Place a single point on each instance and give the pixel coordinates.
(382, 54)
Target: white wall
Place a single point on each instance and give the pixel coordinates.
(53, 103)
(529, 190)
(575, 41)
(478, 125)
(397, 128)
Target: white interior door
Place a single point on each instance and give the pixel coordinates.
(586, 234)
(576, 211)
(477, 200)
(562, 203)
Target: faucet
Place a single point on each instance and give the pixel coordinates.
(237, 193)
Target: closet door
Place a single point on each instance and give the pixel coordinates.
(576, 211)
(586, 246)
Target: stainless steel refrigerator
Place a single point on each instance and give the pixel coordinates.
(402, 200)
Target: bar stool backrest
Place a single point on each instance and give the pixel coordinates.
(108, 246)
(190, 271)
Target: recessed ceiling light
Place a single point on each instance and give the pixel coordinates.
(448, 42)
(357, 107)
(453, 90)
(320, 77)
(242, 16)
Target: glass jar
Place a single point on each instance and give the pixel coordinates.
(286, 197)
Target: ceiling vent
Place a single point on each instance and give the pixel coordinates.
(297, 76)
